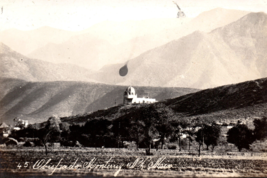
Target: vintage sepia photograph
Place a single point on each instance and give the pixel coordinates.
(133, 88)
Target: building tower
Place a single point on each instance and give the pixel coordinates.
(129, 95)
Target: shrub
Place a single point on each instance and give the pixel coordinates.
(28, 144)
(259, 146)
(260, 131)
(241, 136)
(11, 142)
(172, 146)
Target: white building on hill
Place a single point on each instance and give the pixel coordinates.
(131, 98)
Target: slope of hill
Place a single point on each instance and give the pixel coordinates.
(25, 42)
(230, 102)
(87, 50)
(105, 43)
(230, 54)
(36, 101)
(15, 65)
(120, 41)
(248, 39)
(221, 98)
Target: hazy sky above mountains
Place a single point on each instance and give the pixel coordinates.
(78, 15)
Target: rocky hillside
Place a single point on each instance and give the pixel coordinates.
(221, 98)
(226, 103)
(37, 101)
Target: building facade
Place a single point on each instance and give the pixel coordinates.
(130, 97)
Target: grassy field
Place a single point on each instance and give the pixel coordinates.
(124, 162)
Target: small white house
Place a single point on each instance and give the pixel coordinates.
(21, 123)
(16, 128)
(4, 129)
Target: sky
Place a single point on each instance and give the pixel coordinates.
(76, 15)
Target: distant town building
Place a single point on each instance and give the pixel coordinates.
(19, 123)
(229, 127)
(4, 130)
(130, 97)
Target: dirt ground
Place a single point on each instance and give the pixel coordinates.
(127, 163)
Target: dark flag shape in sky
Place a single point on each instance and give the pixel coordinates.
(123, 70)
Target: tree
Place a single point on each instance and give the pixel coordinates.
(163, 126)
(137, 125)
(260, 130)
(121, 128)
(97, 129)
(177, 134)
(241, 136)
(149, 115)
(97, 126)
(212, 134)
(136, 131)
(75, 133)
(85, 140)
(51, 131)
(65, 133)
(178, 127)
(208, 134)
(200, 139)
(150, 133)
(190, 137)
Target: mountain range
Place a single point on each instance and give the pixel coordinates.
(25, 42)
(165, 58)
(221, 53)
(111, 42)
(229, 103)
(37, 101)
(226, 55)
(16, 65)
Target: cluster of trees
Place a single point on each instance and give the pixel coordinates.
(50, 132)
(208, 135)
(242, 137)
(143, 126)
(147, 126)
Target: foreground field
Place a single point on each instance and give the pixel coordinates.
(120, 162)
